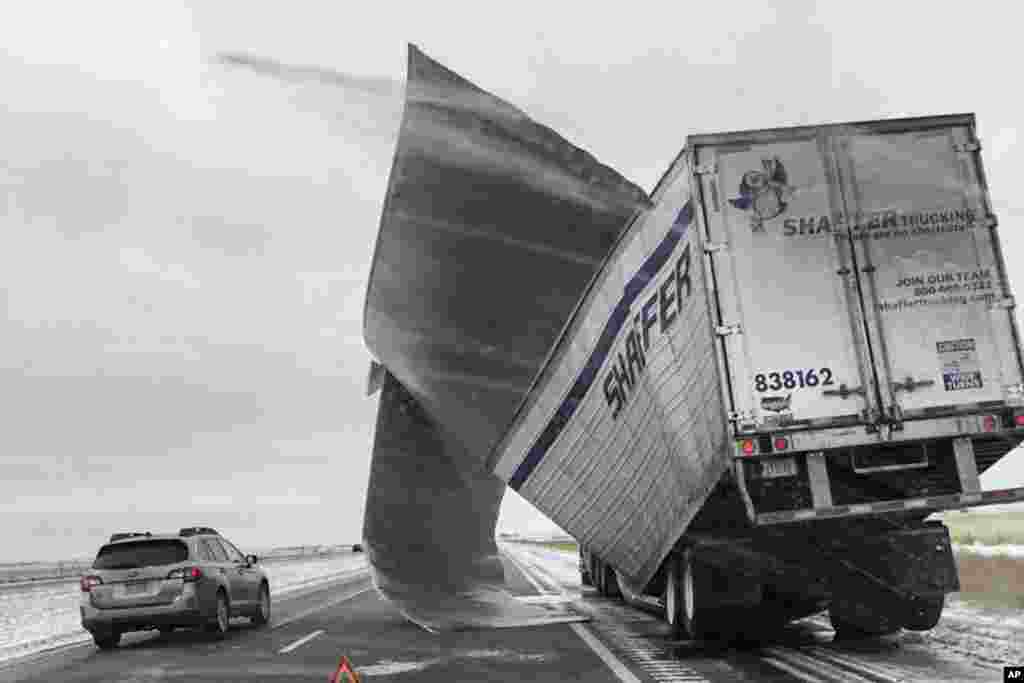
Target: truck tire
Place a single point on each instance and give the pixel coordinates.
(863, 617)
(611, 582)
(586, 577)
(924, 614)
(106, 640)
(671, 599)
(683, 596)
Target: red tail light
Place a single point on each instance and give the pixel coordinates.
(747, 446)
(1018, 419)
(989, 423)
(781, 443)
(87, 583)
(186, 574)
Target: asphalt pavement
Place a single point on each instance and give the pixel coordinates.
(309, 634)
(310, 631)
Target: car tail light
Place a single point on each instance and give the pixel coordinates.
(781, 443)
(186, 574)
(747, 446)
(1018, 419)
(87, 583)
(989, 423)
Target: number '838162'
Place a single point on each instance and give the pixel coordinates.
(792, 379)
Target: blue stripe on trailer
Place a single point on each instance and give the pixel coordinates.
(618, 318)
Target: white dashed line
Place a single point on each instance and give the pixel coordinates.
(300, 642)
(613, 663)
(318, 608)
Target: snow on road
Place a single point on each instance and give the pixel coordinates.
(36, 618)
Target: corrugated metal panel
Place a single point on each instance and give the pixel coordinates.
(621, 453)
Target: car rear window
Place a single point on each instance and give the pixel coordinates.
(140, 554)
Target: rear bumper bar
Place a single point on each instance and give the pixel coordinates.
(934, 503)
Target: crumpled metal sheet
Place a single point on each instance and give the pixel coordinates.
(492, 227)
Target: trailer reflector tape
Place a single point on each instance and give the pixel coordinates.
(957, 500)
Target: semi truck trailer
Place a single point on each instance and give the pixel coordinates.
(777, 375)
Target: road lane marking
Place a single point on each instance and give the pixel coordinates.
(318, 608)
(610, 623)
(610, 660)
(522, 570)
(300, 642)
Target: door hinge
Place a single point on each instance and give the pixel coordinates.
(910, 384)
(709, 168)
(726, 330)
(964, 147)
(1007, 303)
(712, 248)
(844, 391)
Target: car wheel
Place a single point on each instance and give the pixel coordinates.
(106, 640)
(218, 626)
(262, 615)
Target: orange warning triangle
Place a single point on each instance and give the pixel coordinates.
(345, 673)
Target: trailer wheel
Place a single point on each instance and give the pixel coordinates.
(611, 582)
(683, 591)
(672, 598)
(859, 617)
(586, 577)
(924, 614)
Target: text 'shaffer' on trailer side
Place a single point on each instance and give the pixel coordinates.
(780, 371)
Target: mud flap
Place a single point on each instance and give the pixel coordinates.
(887, 581)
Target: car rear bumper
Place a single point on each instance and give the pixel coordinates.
(184, 611)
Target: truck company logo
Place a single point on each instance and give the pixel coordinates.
(777, 404)
(764, 192)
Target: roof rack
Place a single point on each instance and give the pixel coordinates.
(128, 534)
(194, 530)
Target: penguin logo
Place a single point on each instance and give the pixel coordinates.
(765, 192)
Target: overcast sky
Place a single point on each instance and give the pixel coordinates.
(186, 243)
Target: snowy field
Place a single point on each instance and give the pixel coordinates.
(1014, 551)
(36, 618)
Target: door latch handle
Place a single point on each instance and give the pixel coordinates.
(910, 384)
(844, 391)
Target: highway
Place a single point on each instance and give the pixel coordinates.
(311, 630)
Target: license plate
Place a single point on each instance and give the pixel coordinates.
(780, 467)
(136, 587)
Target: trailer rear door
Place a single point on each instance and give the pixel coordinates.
(790, 317)
(934, 292)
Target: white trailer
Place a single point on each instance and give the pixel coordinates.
(802, 351)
